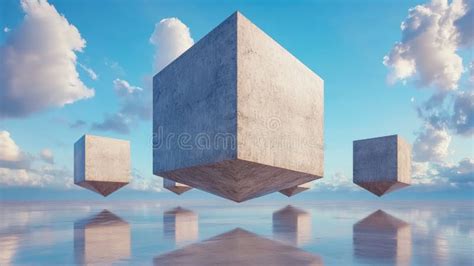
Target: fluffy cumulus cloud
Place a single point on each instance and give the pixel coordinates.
(18, 168)
(38, 62)
(9, 151)
(47, 155)
(335, 182)
(431, 144)
(433, 35)
(465, 24)
(428, 49)
(170, 38)
(135, 105)
(463, 113)
(445, 175)
(144, 183)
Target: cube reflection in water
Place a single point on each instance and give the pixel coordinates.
(181, 225)
(382, 165)
(238, 247)
(251, 115)
(292, 225)
(381, 238)
(101, 239)
(101, 164)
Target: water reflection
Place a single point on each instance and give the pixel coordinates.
(8, 246)
(381, 238)
(101, 239)
(292, 225)
(181, 225)
(238, 247)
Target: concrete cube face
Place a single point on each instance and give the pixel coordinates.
(101, 164)
(382, 165)
(238, 116)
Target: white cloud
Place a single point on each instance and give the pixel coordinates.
(123, 88)
(170, 38)
(47, 155)
(432, 144)
(38, 62)
(428, 49)
(335, 182)
(462, 119)
(465, 24)
(142, 183)
(17, 168)
(9, 151)
(91, 73)
(6, 29)
(135, 105)
(444, 175)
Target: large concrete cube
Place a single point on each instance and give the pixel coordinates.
(237, 115)
(101, 164)
(382, 165)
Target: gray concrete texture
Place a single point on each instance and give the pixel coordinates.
(101, 164)
(238, 116)
(382, 165)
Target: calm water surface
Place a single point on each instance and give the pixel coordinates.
(219, 233)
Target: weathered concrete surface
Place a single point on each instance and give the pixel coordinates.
(101, 164)
(238, 247)
(238, 116)
(382, 165)
(296, 189)
(175, 187)
(381, 239)
(292, 225)
(101, 240)
(181, 225)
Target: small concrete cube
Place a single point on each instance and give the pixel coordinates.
(175, 187)
(238, 116)
(296, 189)
(101, 164)
(382, 165)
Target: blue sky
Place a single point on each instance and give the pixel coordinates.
(344, 42)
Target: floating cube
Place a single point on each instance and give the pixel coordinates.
(238, 116)
(238, 247)
(382, 165)
(175, 187)
(296, 189)
(292, 225)
(381, 239)
(101, 164)
(103, 239)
